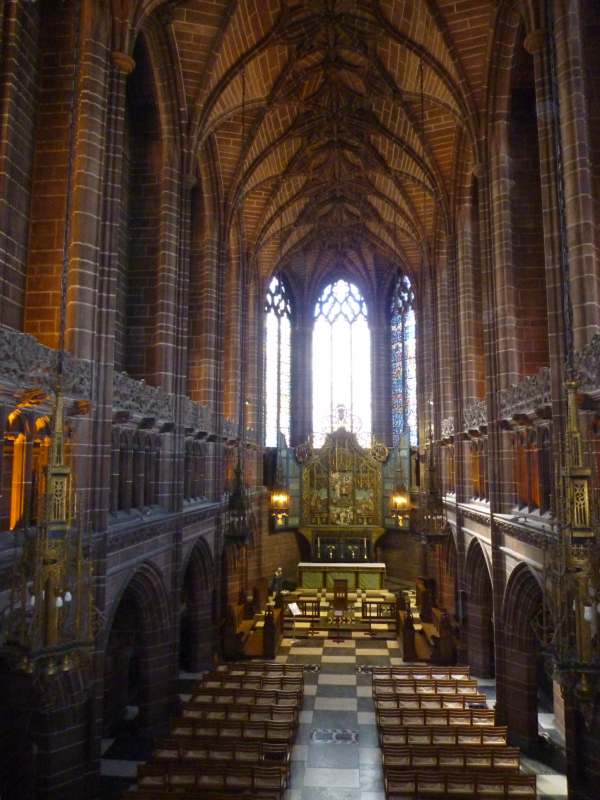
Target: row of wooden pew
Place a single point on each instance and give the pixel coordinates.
(446, 749)
(229, 740)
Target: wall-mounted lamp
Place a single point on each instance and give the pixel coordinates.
(280, 506)
(400, 505)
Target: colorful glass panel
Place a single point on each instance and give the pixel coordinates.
(404, 365)
(278, 360)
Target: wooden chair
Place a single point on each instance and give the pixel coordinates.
(339, 604)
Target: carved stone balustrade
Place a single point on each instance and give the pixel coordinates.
(141, 401)
(196, 418)
(526, 398)
(475, 416)
(448, 428)
(27, 364)
(587, 367)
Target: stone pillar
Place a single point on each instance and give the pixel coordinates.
(301, 409)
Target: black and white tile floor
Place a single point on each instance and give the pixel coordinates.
(336, 755)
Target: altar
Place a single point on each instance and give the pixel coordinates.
(321, 575)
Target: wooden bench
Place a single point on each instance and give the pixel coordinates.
(209, 748)
(398, 687)
(309, 607)
(237, 711)
(264, 730)
(450, 757)
(442, 716)
(492, 786)
(222, 680)
(461, 736)
(269, 780)
(258, 668)
(159, 794)
(379, 609)
(412, 701)
(417, 672)
(256, 697)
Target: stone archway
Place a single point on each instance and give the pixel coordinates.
(138, 657)
(197, 623)
(522, 605)
(479, 613)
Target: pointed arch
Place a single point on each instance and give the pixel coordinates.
(479, 611)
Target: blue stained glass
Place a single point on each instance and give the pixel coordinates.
(403, 362)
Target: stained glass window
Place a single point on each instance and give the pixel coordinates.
(404, 368)
(277, 347)
(341, 363)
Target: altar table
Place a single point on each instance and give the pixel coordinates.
(321, 575)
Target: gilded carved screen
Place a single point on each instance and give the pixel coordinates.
(342, 482)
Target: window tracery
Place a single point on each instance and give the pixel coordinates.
(341, 362)
(278, 310)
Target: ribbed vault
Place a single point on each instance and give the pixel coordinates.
(341, 129)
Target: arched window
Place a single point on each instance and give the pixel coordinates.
(277, 348)
(341, 363)
(404, 368)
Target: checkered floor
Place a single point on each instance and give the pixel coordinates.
(336, 755)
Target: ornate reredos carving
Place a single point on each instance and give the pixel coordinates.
(475, 415)
(587, 365)
(342, 482)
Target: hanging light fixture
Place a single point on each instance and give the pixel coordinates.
(47, 626)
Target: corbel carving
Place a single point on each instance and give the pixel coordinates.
(534, 41)
(122, 62)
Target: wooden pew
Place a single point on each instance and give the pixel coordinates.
(237, 711)
(264, 730)
(450, 757)
(158, 794)
(276, 697)
(222, 680)
(425, 687)
(200, 748)
(260, 668)
(412, 701)
(436, 784)
(269, 780)
(456, 736)
(437, 717)
(422, 672)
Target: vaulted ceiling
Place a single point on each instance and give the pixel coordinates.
(339, 128)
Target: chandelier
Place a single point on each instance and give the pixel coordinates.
(431, 519)
(238, 522)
